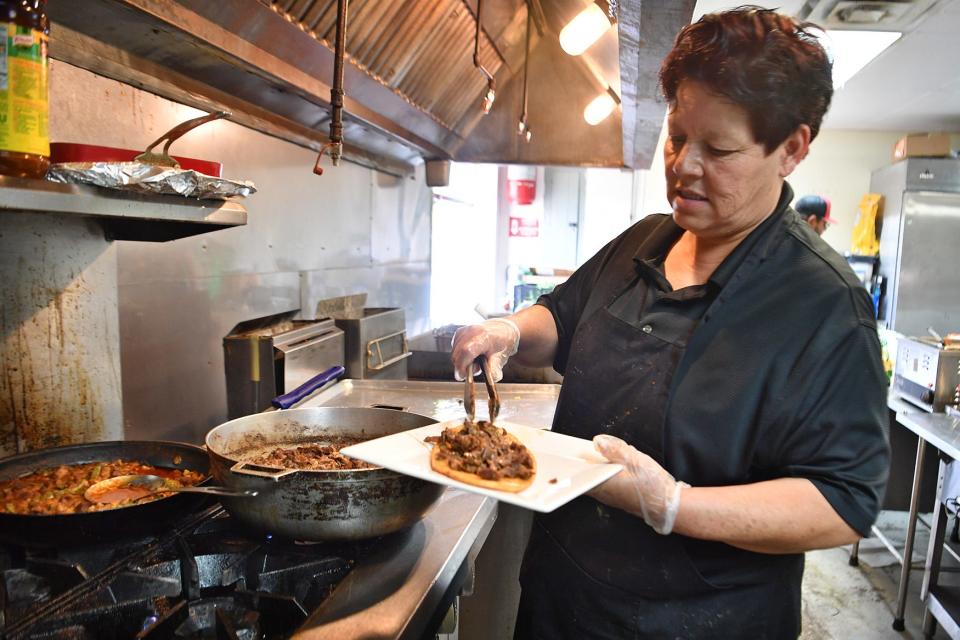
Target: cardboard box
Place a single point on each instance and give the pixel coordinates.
(935, 145)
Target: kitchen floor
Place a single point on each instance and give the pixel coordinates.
(841, 602)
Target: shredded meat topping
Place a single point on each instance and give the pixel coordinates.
(483, 449)
(57, 490)
(315, 457)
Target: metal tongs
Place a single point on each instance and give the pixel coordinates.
(163, 158)
(470, 391)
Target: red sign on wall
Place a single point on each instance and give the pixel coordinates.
(524, 227)
(522, 191)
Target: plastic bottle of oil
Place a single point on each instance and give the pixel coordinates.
(24, 141)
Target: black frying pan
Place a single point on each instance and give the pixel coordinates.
(99, 526)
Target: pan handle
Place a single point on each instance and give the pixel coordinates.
(249, 469)
(287, 400)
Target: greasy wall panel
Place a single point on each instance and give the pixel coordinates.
(400, 219)
(172, 352)
(178, 299)
(59, 362)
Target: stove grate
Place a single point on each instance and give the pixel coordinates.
(206, 580)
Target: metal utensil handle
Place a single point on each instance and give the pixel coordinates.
(375, 343)
(249, 469)
(219, 491)
(469, 393)
(493, 401)
(173, 134)
(287, 400)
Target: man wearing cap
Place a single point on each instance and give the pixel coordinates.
(816, 211)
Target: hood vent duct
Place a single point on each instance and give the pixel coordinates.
(408, 65)
(422, 50)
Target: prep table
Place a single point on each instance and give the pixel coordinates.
(941, 604)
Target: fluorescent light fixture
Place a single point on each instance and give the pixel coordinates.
(598, 109)
(851, 51)
(585, 29)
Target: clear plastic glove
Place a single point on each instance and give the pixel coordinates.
(497, 338)
(643, 488)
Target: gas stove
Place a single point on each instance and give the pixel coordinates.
(207, 578)
(210, 578)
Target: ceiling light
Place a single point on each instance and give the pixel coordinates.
(585, 29)
(851, 51)
(599, 108)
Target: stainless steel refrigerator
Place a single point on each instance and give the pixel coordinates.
(920, 244)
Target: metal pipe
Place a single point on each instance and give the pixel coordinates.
(523, 129)
(491, 84)
(336, 93)
(538, 18)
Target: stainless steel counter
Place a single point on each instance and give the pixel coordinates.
(402, 592)
(532, 405)
(942, 603)
(939, 429)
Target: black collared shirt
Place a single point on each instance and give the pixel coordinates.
(781, 373)
(670, 314)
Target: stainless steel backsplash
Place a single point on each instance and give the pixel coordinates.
(307, 238)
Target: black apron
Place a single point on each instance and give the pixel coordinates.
(595, 571)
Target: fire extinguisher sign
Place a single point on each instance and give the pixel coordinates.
(524, 227)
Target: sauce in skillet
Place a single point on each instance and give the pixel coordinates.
(59, 490)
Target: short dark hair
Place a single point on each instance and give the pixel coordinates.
(769, 64)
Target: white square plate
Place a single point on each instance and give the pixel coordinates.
(572, 462)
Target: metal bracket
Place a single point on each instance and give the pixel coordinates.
(250, 469)
(375, 345)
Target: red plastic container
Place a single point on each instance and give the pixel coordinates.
(74, 152)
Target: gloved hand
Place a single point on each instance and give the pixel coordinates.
(498, 338)
(643, 488)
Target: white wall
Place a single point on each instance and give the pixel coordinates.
(608, 209)
(652, 198)
(838, 167)
(464, 223)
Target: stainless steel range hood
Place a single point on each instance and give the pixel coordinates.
(411, 86)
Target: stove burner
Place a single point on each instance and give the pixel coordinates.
(210, 581)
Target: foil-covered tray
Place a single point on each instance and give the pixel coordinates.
(149, 178)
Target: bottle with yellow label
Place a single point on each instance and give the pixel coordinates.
(24, 141)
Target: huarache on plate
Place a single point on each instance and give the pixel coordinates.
(483, 455)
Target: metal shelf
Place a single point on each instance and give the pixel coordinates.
(124, 216)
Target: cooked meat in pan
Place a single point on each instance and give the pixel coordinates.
(59, 490)
(313, 457)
